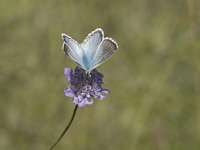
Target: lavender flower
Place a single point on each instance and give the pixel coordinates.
(82, 86)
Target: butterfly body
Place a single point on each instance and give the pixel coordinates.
(94, 50)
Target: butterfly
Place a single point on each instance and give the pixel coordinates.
(92, 52)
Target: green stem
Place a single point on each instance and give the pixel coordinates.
(66, 129)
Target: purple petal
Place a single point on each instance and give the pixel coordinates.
(88, 101)
(68, 73)
(97, 74)
(99, 96)
(69, 92)
(79, 101)
(75, 100)
(106, 91)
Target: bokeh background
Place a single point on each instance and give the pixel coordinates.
(154, 77)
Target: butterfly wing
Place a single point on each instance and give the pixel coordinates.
(94, 50)
(90, 46)
(105, 50)
(72, 49)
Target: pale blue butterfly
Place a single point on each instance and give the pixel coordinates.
(94, 50)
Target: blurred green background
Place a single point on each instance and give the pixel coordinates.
(154, 77)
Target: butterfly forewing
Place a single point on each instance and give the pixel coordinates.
(72, 49)
(104, 51)
(90, 46)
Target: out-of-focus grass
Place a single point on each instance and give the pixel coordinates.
(153, 78)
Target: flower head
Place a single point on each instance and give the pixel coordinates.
(82, 86)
